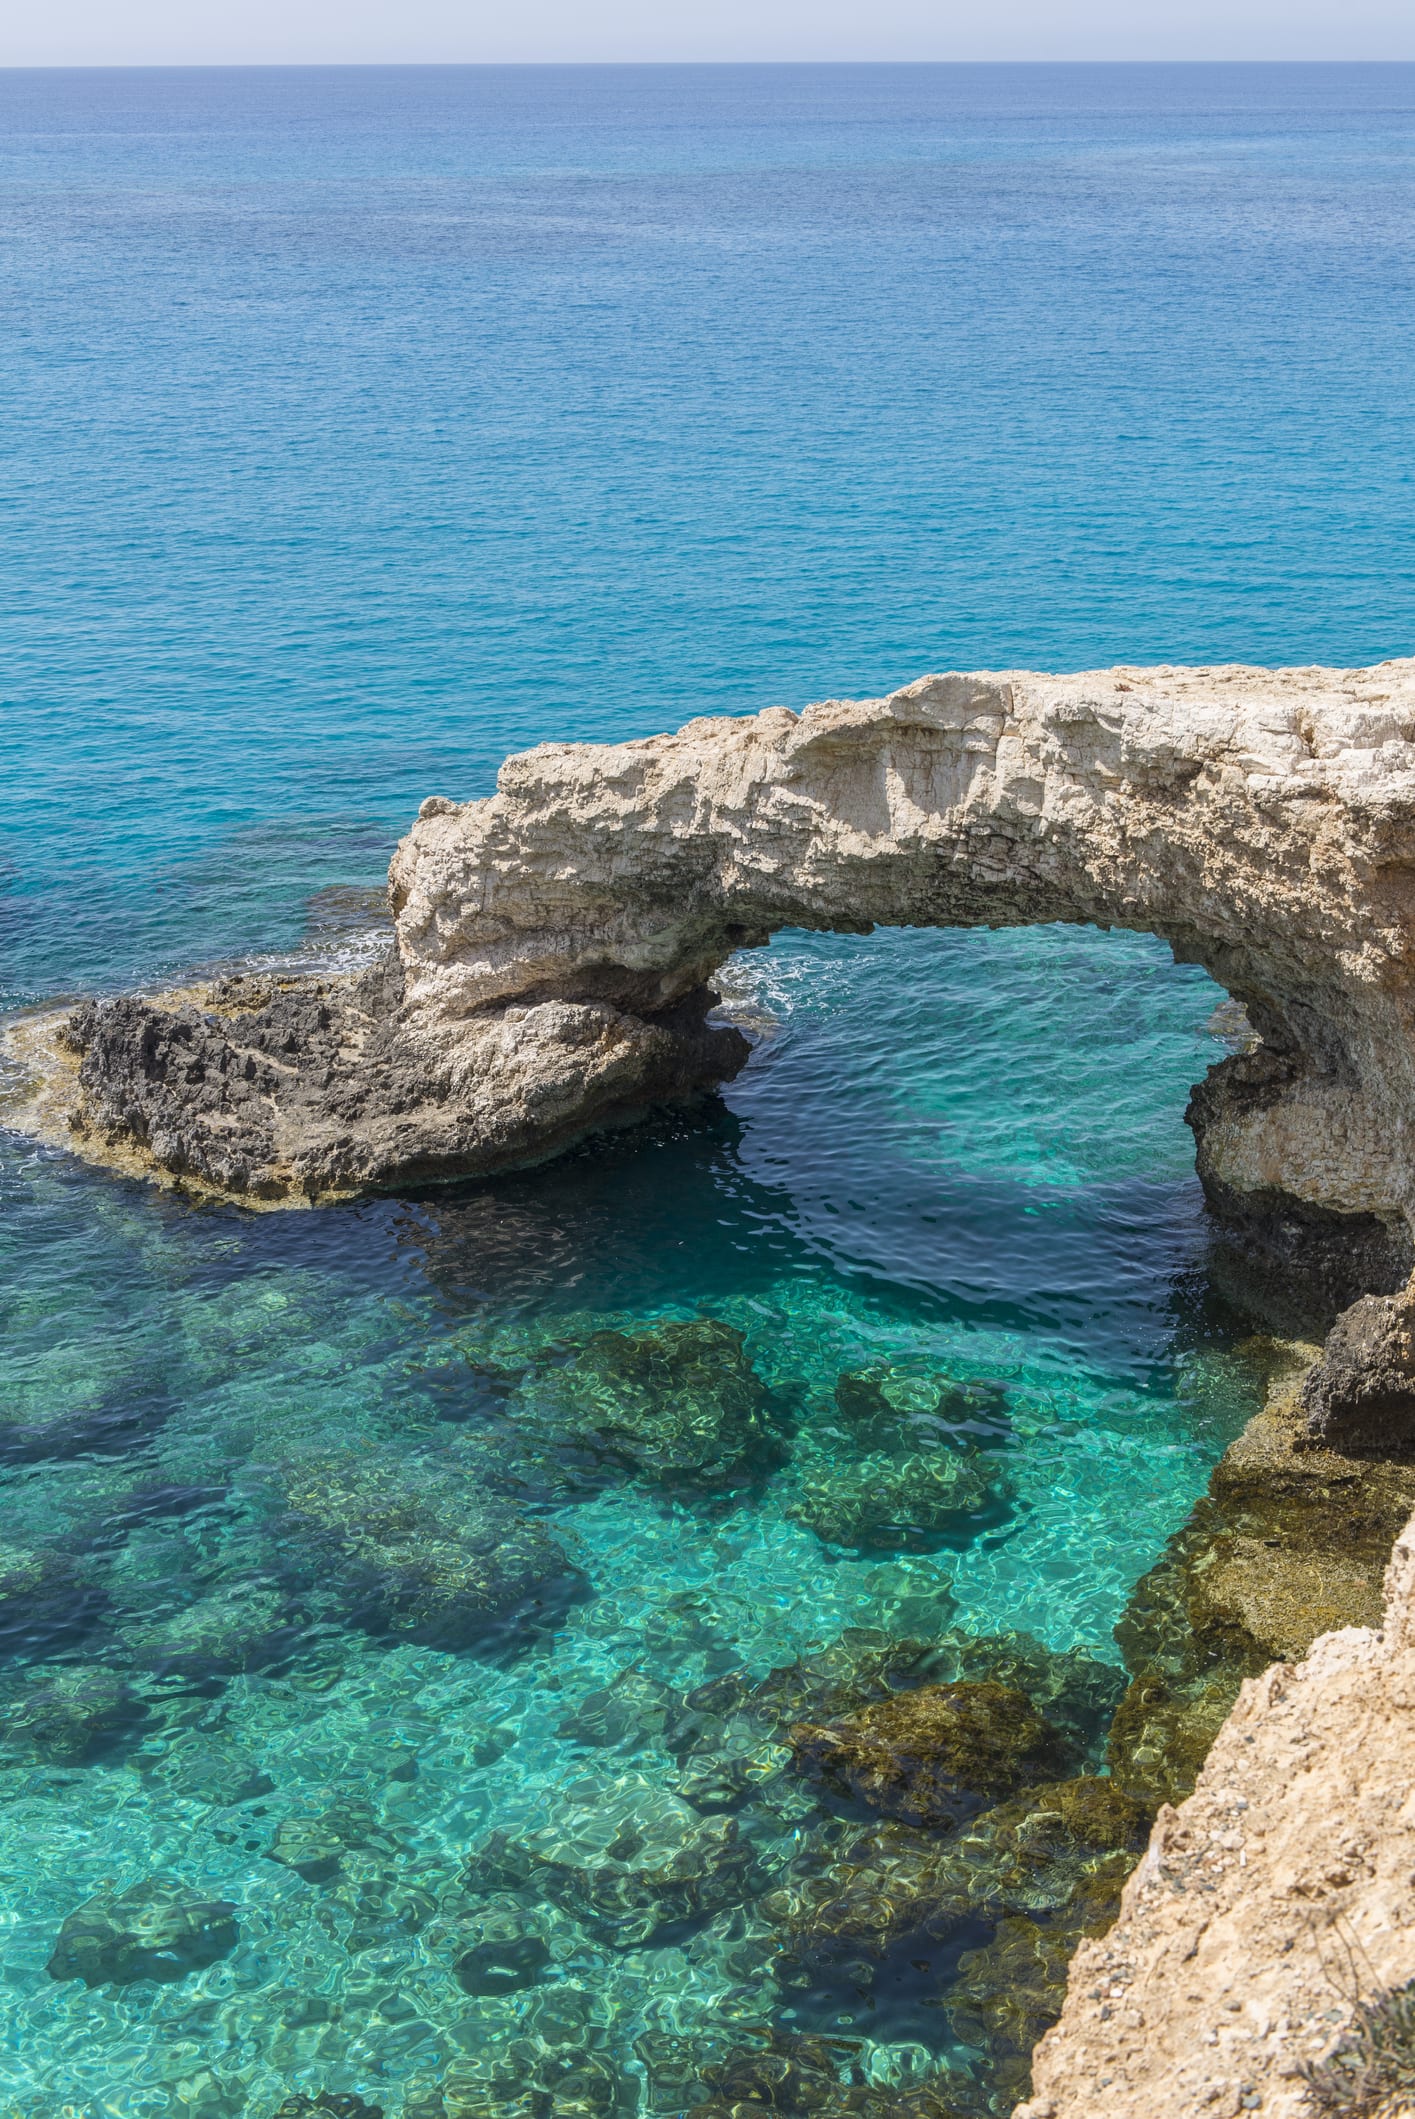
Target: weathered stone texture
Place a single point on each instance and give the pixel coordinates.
(555, 943)
(1266, 1902)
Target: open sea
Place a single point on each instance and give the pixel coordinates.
(358, 427)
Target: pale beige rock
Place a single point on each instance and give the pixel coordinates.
(1279, 1891)
(1262, 822)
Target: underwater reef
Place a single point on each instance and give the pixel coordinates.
(909, 1815)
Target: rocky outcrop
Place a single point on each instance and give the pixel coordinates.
(1272, 1913)
(556, 943)
(1290, 1541)
(1360, 1397)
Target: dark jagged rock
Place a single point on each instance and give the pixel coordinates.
(1360, 1397)
(296, 1089)
(932, 1756)
(157, 1930)
(416, 1546)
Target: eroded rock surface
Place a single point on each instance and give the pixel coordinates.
(555, 943)
(1360, 1397)
(1266, 1902)
(1289, 1542)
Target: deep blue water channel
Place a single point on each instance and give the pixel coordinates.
(356, 428)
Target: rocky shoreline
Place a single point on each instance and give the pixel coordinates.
(552, 972)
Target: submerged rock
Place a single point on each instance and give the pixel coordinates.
(849, 1902)
(327, 2104)
(680, 1405)
(244, 1628)
(932, 1756)
(45, 1599)
(1072, 1690)
(1011, 1990)
(210, 1770)
(156, 1930)
(804, 2075)
(886, 1406)
(1289, 1542)
(623, 1715)
(624, 1856)
(860, 1665)
(892, 1503)
(65, 1713)
(415, 1546)
(501, 1950)
(314, 1844)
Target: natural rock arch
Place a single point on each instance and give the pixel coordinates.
(555, 943)
(1262, 824)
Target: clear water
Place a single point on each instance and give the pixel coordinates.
(360, 427)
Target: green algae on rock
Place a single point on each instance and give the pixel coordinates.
(892, 1502)
(680, 1405)
(1290, 1541)
(848, 1903)
(1075, 1692)
(932, 1756)
(155, 1930)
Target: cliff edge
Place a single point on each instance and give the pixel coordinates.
(1265, 1906)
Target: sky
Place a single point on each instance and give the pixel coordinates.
(262, 32)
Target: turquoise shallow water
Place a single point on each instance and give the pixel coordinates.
(359, 428)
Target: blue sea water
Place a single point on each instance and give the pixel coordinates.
(356, 428)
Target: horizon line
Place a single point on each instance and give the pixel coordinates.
(214, 66)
